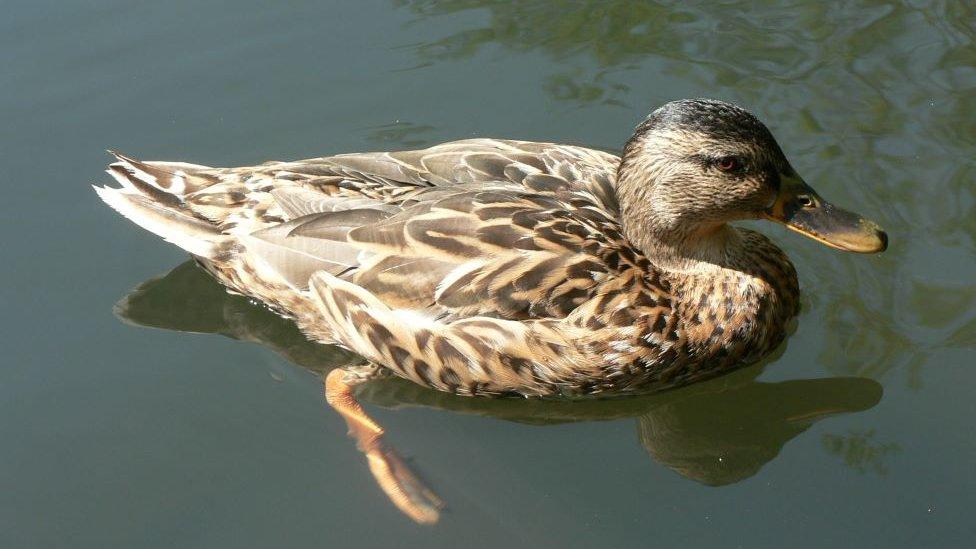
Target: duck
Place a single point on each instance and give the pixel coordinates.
(505, 268)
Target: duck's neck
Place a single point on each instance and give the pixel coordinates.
(686, 249)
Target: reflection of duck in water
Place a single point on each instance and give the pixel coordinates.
(715, 432)
(490, 267)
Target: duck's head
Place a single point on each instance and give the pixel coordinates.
(695, 164)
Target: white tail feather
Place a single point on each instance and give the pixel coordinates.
(193, 235)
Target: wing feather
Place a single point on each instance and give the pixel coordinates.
(510, 229)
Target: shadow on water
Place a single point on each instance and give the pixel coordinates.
(716, 432)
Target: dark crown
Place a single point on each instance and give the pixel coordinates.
(709, 116)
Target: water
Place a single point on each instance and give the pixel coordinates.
(859, 434)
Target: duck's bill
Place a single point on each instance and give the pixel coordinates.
(801, 209)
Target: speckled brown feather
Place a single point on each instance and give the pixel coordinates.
(480, 267)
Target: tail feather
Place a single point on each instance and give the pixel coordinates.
(175, 178)
(131, 181)
(151, 197)
(193, 235)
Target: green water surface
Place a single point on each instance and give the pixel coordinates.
(858, 434)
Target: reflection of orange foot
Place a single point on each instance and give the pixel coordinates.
(393, 475)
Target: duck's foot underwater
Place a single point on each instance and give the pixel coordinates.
(395, 478)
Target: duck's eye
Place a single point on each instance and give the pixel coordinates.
(729, 164)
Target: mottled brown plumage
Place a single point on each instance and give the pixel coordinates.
(496, 267)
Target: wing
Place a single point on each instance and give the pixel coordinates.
(496, 249)
(504, 228)
(240, 200)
